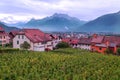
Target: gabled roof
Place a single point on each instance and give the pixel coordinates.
(1, 28)
(4, 34)
(85, 41)
(14, 32)
(97, 39)
(53, 36)
(112, 39)
(107, 41)
(67, 40)
(35, 35)
(74, 41)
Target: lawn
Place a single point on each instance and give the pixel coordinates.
(61, 64)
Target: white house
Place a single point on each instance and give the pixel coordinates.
(55, 40)
(38, 40)
(85, 43)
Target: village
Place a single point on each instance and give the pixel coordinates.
(40, 41)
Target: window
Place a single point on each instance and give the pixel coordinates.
(17, 42)
(22, 36)
(0, 37)
(18, 36)
(4, 37)
(100, 48)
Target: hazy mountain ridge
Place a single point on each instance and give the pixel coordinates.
(105, 23)
(56, 22)
(63, 22)
(7, 28)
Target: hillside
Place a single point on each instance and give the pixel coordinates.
(105, 23)
(62, 64)
(56, 22)
(8, 28)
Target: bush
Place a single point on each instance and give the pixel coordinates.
(25, 45)
(118, 51)
(108, 51)
(8, 50)
(8, 45)
(62, 45)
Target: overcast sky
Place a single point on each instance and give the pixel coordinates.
(23, 10)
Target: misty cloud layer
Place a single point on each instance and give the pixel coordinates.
(22, 10)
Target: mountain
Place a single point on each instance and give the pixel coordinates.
(56, 22)
(105, 23)
(18, 24)
(7, 28)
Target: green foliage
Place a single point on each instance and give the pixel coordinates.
(72, 64)
(62, 45)
(8, 45)
(25, 45)
(8, 50)
(108, 51)
(118, 51)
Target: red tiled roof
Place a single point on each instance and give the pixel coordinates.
(112, 39)
(14, 32)
(5, 34)
(97, 39)
(85, 40)
(35, 35)
(1, 28)
(53, 36)
(67, 40)
(74, 41)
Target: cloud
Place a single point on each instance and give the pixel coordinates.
(82, 9)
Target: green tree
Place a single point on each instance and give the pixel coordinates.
(25, 45)
(118, 51)
(62, 45)
(108, 51)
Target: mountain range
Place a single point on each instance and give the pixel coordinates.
(64, 22)
(7, 28)
(105, 23)
(56, 22)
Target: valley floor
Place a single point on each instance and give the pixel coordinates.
(61, 64)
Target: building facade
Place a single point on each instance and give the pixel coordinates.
(4, 37)
(38, 40)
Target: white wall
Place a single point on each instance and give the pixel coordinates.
(38, 47)
(49, 45)
(21, 41)
(83, 46)
(55, 42)
(34, 46)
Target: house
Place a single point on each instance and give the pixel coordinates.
(102, 43)
(74, 42)
(96, 43)
(12, 34)
(38, 40)
(4, 37)
(67, 40)
(85, 43)
(55, 40)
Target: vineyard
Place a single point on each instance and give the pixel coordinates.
(61, 64)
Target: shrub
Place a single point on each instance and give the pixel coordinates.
(118, 51)
(8, 50)
(25, 45)
(108, 51)
(62, 45)
(8, 45)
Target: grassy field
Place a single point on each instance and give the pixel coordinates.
(62, 64)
